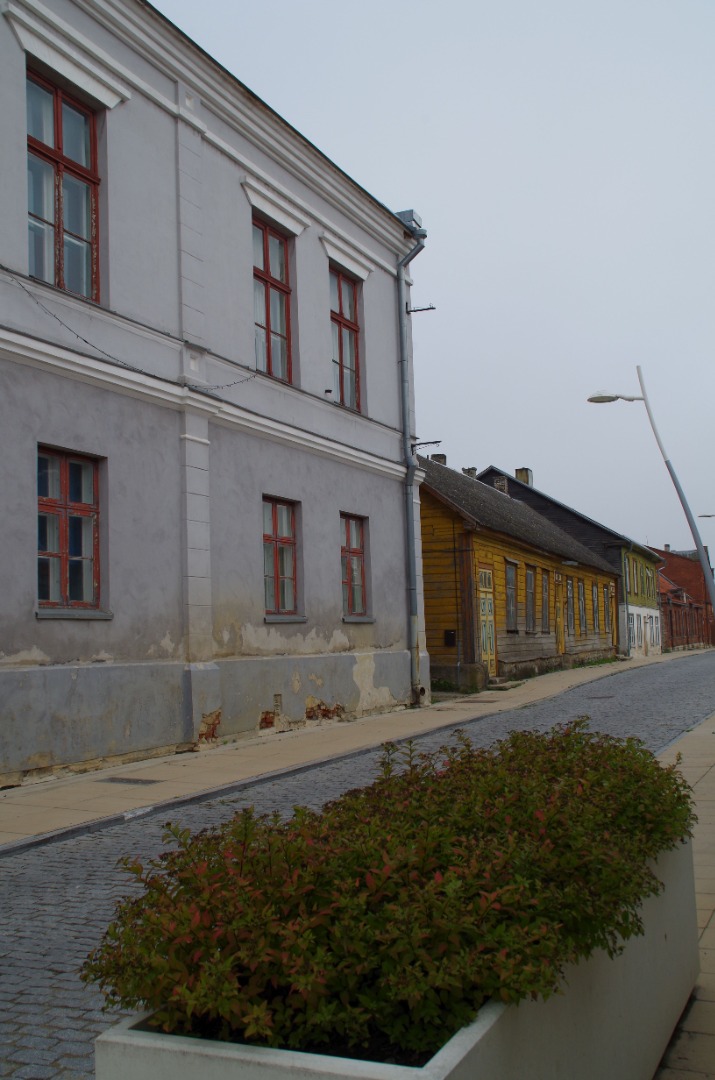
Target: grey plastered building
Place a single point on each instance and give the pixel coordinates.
(209, 500)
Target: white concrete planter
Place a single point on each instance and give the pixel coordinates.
(614, 1021)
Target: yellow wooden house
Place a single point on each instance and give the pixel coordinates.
(507, 593)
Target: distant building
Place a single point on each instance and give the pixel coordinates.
(635, 564)
(507, 592)
(682, 619)
(206, 485)
(683, 569)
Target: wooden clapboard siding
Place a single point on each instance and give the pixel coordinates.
(450, 591)
(446, 545)
(520, 646)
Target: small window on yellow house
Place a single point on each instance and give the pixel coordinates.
(596, 620)
(570, 621)
(511, 623)
(530, 599)
(581, 608)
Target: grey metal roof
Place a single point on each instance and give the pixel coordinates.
(618, 537)
(484, 506)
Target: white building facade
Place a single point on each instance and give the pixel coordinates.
(210, 512)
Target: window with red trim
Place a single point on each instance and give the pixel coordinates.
(279, 557)
(352, 555)
(346, 338)
(62, 189)
(271, 301)
(67, 530)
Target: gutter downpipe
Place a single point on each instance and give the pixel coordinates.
(627, 575)
(411, 466)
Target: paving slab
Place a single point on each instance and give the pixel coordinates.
(692, 1050)
(89, 803)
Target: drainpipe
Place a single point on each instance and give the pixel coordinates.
(413, 223)
(627, 575)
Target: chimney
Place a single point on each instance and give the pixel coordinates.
(440, 459)
(501, 483)
(525, 476)
(666, 547)
(471, 472)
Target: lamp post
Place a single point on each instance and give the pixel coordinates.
(599, 399)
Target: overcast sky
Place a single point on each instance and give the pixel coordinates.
(562, 157)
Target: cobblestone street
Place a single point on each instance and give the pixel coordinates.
(56, 899)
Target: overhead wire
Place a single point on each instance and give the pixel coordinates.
(197, 387)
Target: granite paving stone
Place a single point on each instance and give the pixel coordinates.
(35, 1072)
(72, 885)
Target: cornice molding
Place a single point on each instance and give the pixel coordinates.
(51, 297)
(49, 39)
(18, 348)
(176, 56)
(275, 205)
(106, 79)
(346, 255)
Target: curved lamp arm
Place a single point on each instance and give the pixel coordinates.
(702, 556)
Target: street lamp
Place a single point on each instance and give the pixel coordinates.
(601, 399)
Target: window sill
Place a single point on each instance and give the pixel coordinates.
(275, 378)
(358, 619)
(66, 292)
(348, 408)
(285, 618)
(73, 613)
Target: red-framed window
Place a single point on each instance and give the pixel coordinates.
(279, 557)
(67, 530)
(62, 189)
(346, 339)
(352, 556)
(271, 301)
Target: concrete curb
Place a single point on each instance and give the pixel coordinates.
(166, 806)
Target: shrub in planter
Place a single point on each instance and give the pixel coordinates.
(377, 927)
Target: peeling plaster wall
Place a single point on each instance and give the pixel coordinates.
(182, 632)
(73, 690)
(140, 526)
(362, 683)
(53, 716)
(243, 470)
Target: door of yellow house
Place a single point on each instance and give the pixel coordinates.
(559, 616)
(486, 620)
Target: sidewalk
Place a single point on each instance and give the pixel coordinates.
(45, 810)
(691, 1053)
(85, 801)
